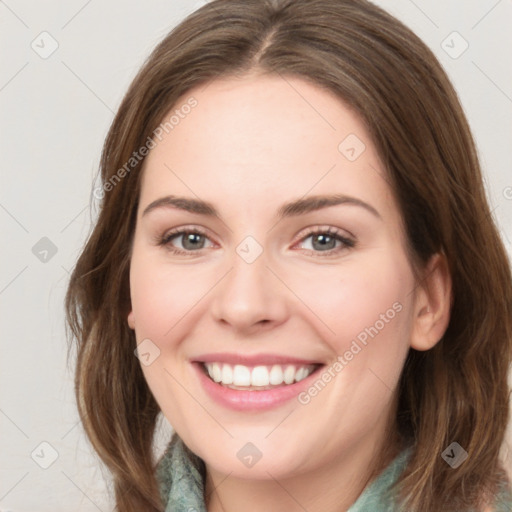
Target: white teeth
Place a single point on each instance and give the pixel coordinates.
(257, 376)
(276, 375)
(302, 373)
(241, 375)
(289, 374)
(227, 374)
(216, 374)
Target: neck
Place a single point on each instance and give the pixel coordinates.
(333, 487)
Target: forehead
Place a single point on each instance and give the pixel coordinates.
(261, 137)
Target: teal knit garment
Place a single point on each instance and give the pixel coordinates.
(180, 476)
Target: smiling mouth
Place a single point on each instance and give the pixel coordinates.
(257, 378)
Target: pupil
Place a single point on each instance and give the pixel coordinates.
(325, 241)
(191, 240)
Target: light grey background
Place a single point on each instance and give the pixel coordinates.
(56, 110)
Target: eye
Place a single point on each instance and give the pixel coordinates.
(191, 240)
(322, 241)
(327, 241)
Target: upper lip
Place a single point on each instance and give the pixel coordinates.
(252, 360)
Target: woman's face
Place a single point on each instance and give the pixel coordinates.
(292, 259)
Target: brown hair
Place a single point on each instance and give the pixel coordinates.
(456, 391)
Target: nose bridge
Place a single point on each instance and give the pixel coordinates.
(249, 293)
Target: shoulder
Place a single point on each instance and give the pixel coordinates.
(380, 495)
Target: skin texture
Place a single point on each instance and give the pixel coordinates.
(250, 145)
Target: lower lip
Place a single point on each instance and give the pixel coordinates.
(252, 400)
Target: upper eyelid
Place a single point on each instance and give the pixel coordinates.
(177, 232)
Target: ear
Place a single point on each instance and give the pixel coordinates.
(432, 304)
(131, 320)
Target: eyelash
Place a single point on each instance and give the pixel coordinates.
(347, 243)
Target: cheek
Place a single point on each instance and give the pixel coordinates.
(163, 303)
(161, 298)
(375, 327)
(361, 300)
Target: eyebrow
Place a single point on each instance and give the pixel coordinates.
(290, 209)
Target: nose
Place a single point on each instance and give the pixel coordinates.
(250, 297)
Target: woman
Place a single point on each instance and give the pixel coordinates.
(295, 243)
